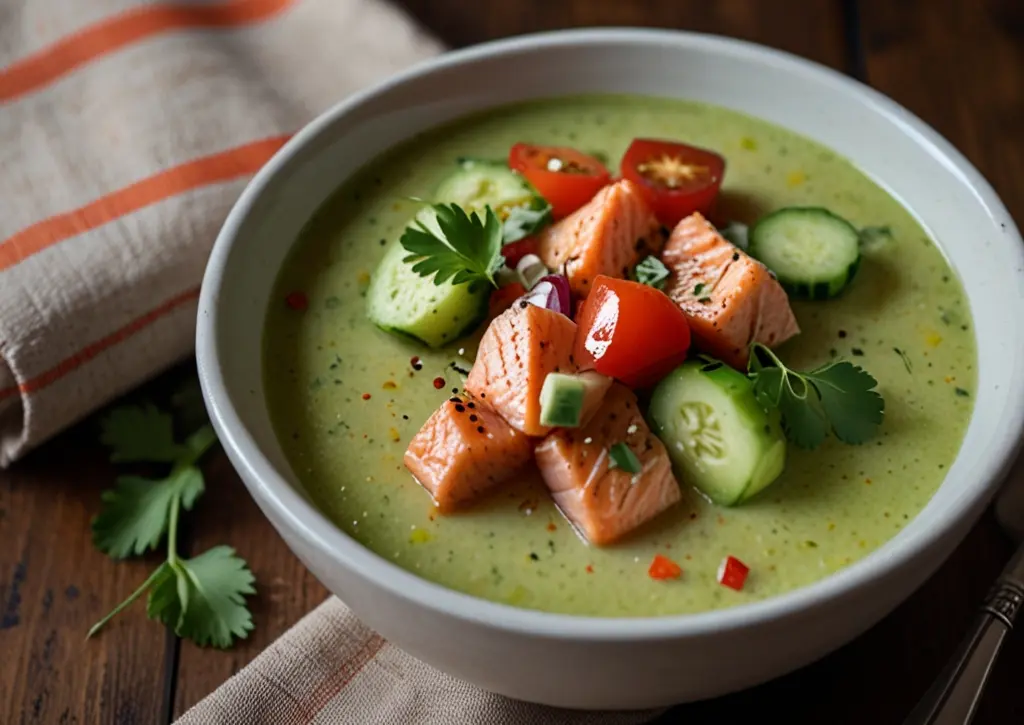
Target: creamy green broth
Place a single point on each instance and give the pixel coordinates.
(346, 400)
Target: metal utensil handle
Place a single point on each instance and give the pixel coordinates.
(953, 698)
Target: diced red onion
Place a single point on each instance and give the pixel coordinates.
(552, 292)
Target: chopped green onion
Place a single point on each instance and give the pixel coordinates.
(623, 457)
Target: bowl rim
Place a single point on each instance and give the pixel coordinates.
(317, 532)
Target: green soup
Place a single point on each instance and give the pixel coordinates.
(346, 400)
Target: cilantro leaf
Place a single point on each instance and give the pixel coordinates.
(622, 456)
(838, 398)
(651, 272)
(134, 515)
(522, 221)
(462, 248)
(203, 598)
(848, 396)
(139, 433)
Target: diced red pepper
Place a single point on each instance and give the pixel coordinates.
(664, 568)
(297, 301)
(732, 573)
(503, 297)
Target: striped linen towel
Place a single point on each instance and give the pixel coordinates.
(127, 130)
(331, 669)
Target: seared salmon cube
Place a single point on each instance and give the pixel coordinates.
(729, 298)
(608, 235)
(602, 501)
(518, 350)
(464, 449)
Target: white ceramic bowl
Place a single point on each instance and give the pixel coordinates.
(595, 662)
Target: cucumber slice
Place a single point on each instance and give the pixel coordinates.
(399, 300)
(478, 183)
(813, 252)
(718, 437)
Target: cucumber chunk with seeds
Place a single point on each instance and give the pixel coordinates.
(400, 300)
(813, 252)
(478, 183)
(718, 436)
(561, 400)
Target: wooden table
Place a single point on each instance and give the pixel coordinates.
(957, 64)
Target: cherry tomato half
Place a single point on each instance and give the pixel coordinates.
(565, 177)
(676, 179)
(631, 332)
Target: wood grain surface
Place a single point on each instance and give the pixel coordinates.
(959, 64)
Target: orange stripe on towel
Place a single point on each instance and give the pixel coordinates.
(219, 167)
(123, 29)
(90, 351)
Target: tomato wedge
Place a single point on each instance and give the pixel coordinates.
(503, 297)
(631, 332)
(567, 178)
(676, 179)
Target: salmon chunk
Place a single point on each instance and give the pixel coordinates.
(464, 449)
(518, 350)
(602, 502)
(608, 235)
(730, 299)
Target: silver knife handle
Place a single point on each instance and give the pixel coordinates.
(953, 698)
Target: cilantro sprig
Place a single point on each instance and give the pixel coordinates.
(202, 598)
(651, 272)
(838, 398)
(463, 248)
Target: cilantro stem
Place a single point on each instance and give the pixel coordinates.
(159, 571)
(172, 531)
(199, 443)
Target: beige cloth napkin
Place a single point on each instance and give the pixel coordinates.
(127, 130)
(331, 669)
